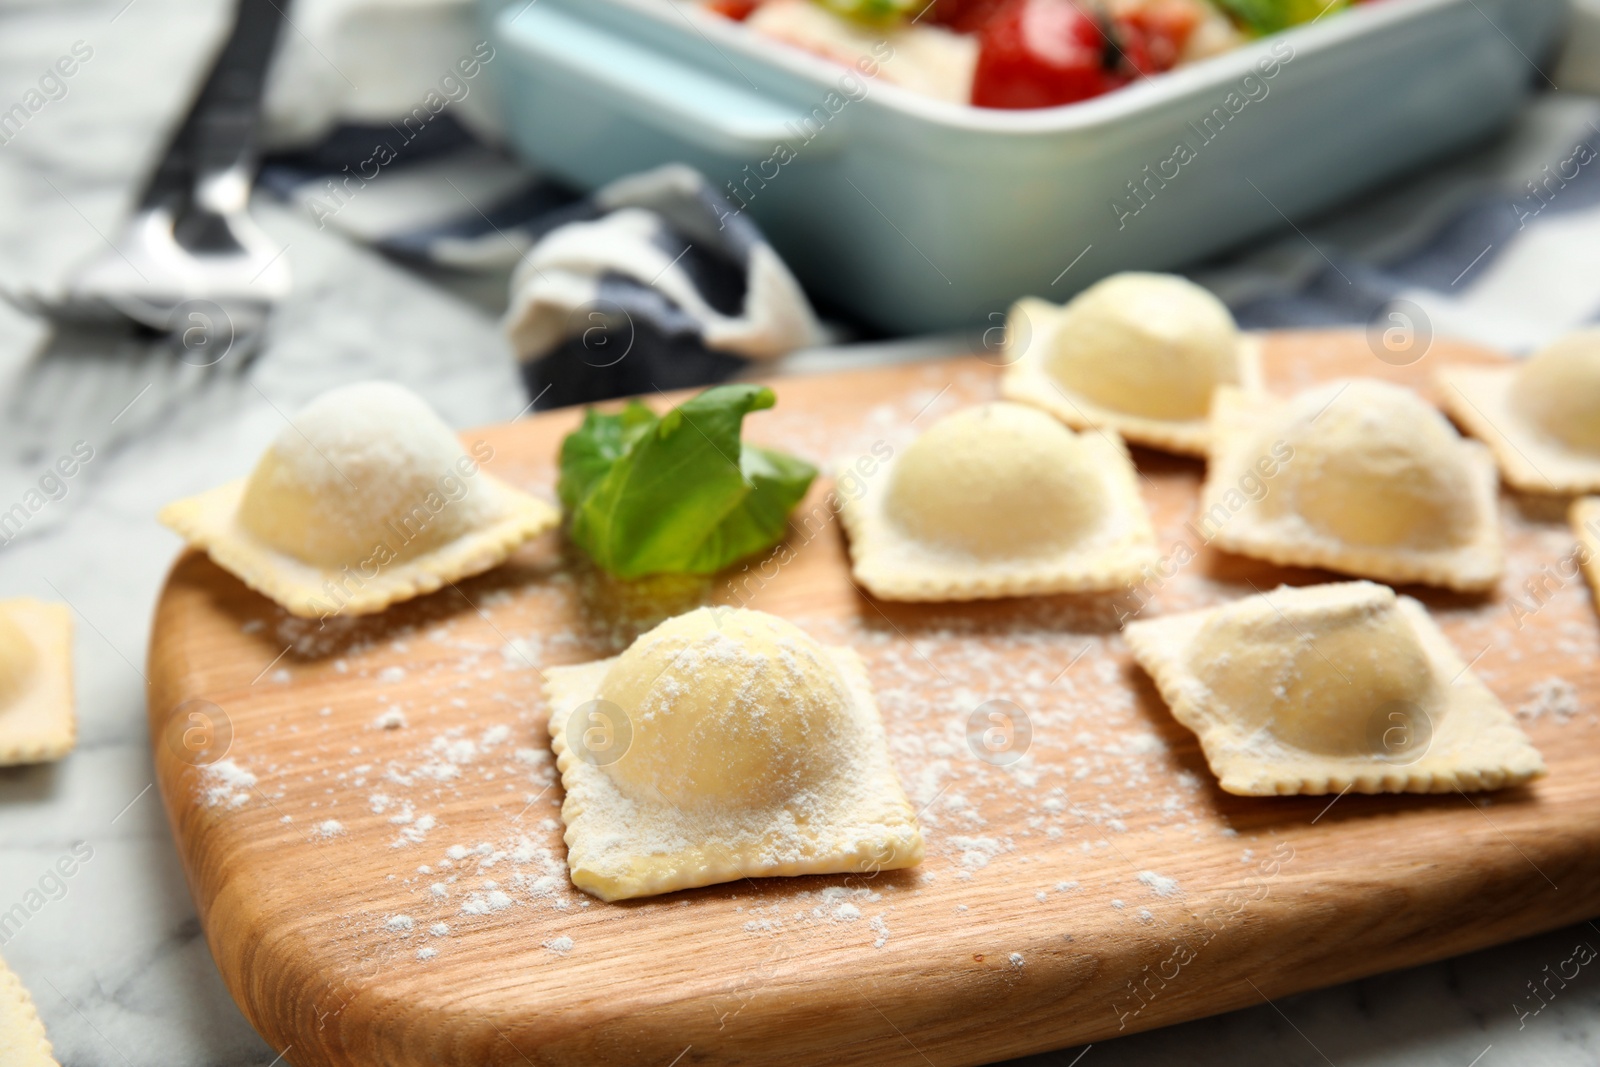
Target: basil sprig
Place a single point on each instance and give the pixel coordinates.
(679, 493)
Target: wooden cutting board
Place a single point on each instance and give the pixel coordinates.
(1100, 885)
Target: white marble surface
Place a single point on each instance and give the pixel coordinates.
(118, 966)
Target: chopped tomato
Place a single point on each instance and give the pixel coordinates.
(1041, 53)
(738, 10)
(1152, 36)
(963, 16)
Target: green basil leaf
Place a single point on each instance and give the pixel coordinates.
(588, 452)
(778, 482)
(678, 494)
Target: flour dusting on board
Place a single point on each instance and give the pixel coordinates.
(1161, 887)
(1555, 697)
(225, 783)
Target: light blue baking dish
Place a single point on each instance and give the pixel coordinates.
(920, 215)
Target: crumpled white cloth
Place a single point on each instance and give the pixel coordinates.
(646, 227)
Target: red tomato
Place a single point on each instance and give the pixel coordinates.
(738, 10)
(1041, 53)
(963, 16)
(1152, 37)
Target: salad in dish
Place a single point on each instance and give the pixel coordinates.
(1018, 53)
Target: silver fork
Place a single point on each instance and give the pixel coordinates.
(190, 257)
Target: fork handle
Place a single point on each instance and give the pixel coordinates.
(219, 133)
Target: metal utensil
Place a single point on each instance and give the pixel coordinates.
(190, 252)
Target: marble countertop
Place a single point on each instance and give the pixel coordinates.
(115, 956)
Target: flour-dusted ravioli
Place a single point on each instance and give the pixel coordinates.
(22, 1038)
(1367, 479)
(1000, 500)
(723, 744)
(1328, 688)
(1138, 353)
(366, 499)
(1541, 418)
(37, 722)
(1585, 515)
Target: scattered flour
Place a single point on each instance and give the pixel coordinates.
(415, 829)
(226, 784)
(484, 903)
(559, 945)
(1161, 887)
(976, 852)
(1144, 745)
(1555, 697)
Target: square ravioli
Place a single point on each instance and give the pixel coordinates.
(37, 721)
(1000, 500)
(724, 744)
(1541, 418)
(366, 499)
(1141, 354)
(1364, 478)
(370, 580)
(22, 1038)
(1331, 688)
